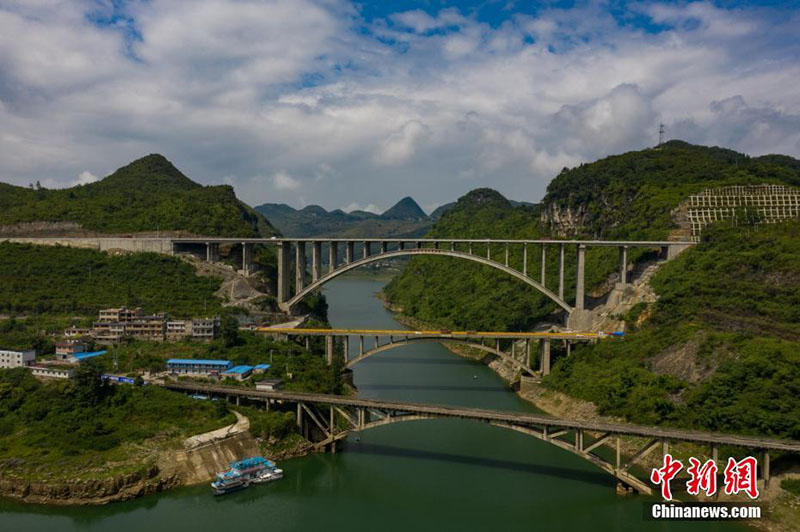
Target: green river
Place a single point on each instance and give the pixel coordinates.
(422, 475)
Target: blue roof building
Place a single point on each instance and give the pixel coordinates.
(197, 366)
(239, 373)
(80, 357)
(261, 368)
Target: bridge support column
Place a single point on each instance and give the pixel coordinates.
(506, 254)
(360, 345)
(545, 357)
(765, 469)
(561, 272)
(316, 260)
(527, 353)
(308, 343)
(623, 266)
(246, 253)
(544, 263)
(329, 350)
(365, 251)
(401, 246)
(525, 259)
(580, 273)
(349, 252)
(384, 247)
(346, 348)
(333, 256)
(469, 249)
(284, 254)
(299, 265)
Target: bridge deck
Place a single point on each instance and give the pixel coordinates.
(432, 333)
(513, 418)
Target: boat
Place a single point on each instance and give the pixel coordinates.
(268, 476)
(241, 474)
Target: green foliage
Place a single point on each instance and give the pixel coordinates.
(271, 425)
(74, 419)
(731, 306)
(632, 195)
(792, 485)
(54, 279)
(149, 194)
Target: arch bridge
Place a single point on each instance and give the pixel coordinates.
(515, 348)
(328, 419)
(512, 257)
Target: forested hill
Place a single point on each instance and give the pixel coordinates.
(629, 196)
(717, 350)
(147, 195)
(632, 195)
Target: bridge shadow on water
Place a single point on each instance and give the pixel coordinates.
(383, 359)
(490, 389)
(592, 477)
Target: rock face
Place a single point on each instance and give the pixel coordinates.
(192, 466)
(89, 491)
(565, 221)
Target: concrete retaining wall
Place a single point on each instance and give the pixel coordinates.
(154, 245)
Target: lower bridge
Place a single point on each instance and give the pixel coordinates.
(516, 348)
(331, 418)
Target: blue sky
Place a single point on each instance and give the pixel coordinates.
(356, 104)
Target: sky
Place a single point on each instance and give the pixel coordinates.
(354, 105)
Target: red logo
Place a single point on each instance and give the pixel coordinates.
(739, 476)
(664, 474)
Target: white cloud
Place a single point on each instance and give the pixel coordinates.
(256, 93)
(370, 207)
(283, 181)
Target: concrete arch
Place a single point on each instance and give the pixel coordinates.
(410, 340)
(423, 251)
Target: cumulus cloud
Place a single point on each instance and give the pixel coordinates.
(283, 181)
(431, 104)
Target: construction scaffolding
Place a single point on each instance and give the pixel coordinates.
(761, 204)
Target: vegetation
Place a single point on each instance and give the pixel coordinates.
(62, 426)
(632, 195)
(56, 280)
(718, 350)
(149, 194)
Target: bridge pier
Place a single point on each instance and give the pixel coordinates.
(544, 263)
(284, 259)
(365, 251)
(525, 259)
(329, 350)
(346, 348)
(333, 256)
(545, 357)
(316, 260)
(623, 266)
(247, 251)
(561, 272)
(349, 252)
(300, 265)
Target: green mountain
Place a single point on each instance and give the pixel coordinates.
(714, 352)
(405, 209)
(149, 194)
(405, 220)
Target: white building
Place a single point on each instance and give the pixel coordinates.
(16, 359)
(52, 372)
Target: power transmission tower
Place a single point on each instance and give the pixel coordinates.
(660, 134)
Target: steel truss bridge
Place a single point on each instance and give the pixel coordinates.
(330, 418)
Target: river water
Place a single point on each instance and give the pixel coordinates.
(421, 475)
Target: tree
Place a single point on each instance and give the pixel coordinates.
(229, 330)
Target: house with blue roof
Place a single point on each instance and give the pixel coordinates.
(197, 366)
(239, 373)
(261, 368)
(77, 358)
